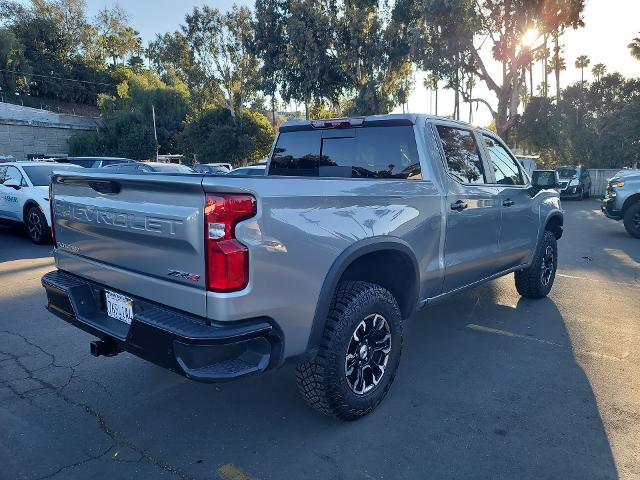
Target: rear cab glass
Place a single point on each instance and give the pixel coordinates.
(383, 152)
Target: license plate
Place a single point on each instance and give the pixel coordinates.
(119, 306)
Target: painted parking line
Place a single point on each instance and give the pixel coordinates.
(628, 284)
(495, 331)
(229, 471)
(480, 328)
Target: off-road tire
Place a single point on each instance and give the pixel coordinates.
(37, 227)
(631, 219)
(323, 381)
(530, 282)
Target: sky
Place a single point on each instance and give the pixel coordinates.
(609, 27)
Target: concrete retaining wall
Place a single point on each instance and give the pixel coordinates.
(28, 131)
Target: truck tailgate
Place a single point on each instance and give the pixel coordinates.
(142, 235)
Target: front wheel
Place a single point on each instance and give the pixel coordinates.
(37, 226)
(632, 220)
(358, 355)
(537, 280)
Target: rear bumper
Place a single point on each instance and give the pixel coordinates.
(198, 348)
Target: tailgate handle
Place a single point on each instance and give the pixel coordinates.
(105, 186)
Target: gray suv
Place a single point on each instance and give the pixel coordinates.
(622, 201)
(357, 224)
(575, 182)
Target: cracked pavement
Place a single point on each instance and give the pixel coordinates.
(489, 386)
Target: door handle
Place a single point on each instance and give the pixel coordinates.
(508, 203)
(458, 206)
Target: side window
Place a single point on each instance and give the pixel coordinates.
(462, 155)
(505, 167)
(2, 172)
(12, 173)
(373, 152)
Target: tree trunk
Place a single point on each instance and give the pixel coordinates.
(436, 99)
(471, 103)
(531, 78)
(456, 105)
(556, 60)
(306, 110)
(545, 73)
(273, 110)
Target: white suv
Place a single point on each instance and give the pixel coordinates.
(24, 196)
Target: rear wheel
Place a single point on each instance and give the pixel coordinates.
(358, 355)
(37, 227)
(537, 280)
(632, 220)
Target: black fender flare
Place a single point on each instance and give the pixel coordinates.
(551, 215)
(340, 265)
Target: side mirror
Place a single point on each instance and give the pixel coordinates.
(544, 179)
(12, 184)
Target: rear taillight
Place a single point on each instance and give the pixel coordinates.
(53, 229)
(227, 259)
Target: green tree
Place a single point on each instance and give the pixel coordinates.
(582, 62)
(598, 71)
(634, 48)
(115, 37)
(215, 136)
(170, 54)
(223, 46)
(270, 46)
(69, 15)
(449, 33)
(312, 70)
(128, 123)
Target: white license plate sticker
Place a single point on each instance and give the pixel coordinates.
(119, 306)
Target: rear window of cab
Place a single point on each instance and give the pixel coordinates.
(385, 152)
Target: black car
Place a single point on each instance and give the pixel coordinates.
(93, 162)
(575, 182)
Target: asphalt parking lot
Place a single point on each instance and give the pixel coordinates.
(490, 386)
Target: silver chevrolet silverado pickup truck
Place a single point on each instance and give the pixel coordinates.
(357, 224)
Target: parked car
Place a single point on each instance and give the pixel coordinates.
(359, 223)
(93, 162)
(575, 182)
(24, 196)
(251, 170)
(210, 169)
(622, 201)
(138, 168)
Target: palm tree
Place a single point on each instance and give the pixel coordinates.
(634, 47)
(598, 70)
(557, 64)
(431, 81)
(582, 62)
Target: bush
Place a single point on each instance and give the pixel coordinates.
(216, 137)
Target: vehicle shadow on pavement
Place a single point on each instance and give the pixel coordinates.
(484, 390)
